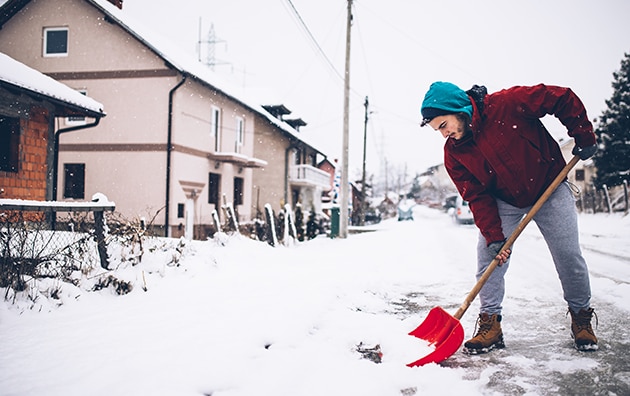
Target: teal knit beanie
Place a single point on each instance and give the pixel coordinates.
(444, 98)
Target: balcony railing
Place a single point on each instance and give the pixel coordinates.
(308, 175)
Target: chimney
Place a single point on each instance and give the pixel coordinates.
(117, 3)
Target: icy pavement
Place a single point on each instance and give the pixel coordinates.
(539, 358)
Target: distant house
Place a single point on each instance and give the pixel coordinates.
(330, 168)
(179, 142)
(436, 184)
(582, 174)
(30, 105)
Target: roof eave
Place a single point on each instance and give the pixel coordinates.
(67, 108)
(9, 9)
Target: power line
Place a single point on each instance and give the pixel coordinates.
(367, 69)
(313, 40)
(415, 40)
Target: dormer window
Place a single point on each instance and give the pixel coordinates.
(55, 41)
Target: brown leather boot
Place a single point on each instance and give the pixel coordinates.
(488, 337)
(581, 330)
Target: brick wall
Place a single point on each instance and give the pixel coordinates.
(30, 180)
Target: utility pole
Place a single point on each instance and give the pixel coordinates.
(211, 59)
(363, 189)
(344, 194)
(210, 48)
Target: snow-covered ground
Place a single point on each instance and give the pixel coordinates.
(235, 317)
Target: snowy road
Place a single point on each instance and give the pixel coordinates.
(539, 357)
(539, 352)
(234, 317)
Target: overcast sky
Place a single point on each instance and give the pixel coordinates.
(398, 48)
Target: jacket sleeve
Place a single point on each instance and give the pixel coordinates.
(540, 100)
(482, 204)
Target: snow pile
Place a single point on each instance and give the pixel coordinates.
(232, 316)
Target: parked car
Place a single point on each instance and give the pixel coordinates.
(461, 212)
(372, 216)
(449, 202)
(405, 210)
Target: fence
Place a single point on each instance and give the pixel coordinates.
(604, 200)
(29, 233)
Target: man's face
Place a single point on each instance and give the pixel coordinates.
(450, 126)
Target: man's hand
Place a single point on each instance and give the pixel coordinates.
(495, 250)
(584, 153)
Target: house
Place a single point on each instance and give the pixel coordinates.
(30, 104)
(291, 175)
(331, 169)
(179, 143)
(581, 177)
(436, 184)
(582, 174)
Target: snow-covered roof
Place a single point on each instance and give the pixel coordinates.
(19, 75)
(188, 65)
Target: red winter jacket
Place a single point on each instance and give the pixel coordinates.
(510, 155)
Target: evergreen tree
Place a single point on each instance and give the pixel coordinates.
(612, 160)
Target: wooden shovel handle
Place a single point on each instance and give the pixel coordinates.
(519, 229)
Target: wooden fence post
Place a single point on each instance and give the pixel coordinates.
(272, 239)
(216, 221)
(625, 197)
(99, 229)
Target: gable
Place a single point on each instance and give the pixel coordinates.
(148, 50)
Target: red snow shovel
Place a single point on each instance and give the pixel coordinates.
(444, 331)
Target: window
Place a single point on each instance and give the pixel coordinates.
(56, 41)
(180, 210)
(9, 144)
(297, 157)
(74, 181)
(77, 120)
(214, 188)
(216, 128)
(238, 191)
(579, 175)
(240, 134)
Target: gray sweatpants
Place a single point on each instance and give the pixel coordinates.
(557, 221)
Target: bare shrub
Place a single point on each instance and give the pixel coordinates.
(30, 250)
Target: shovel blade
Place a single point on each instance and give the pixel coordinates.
(442, 331)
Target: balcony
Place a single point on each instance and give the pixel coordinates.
(309, 176)
(238, 159)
